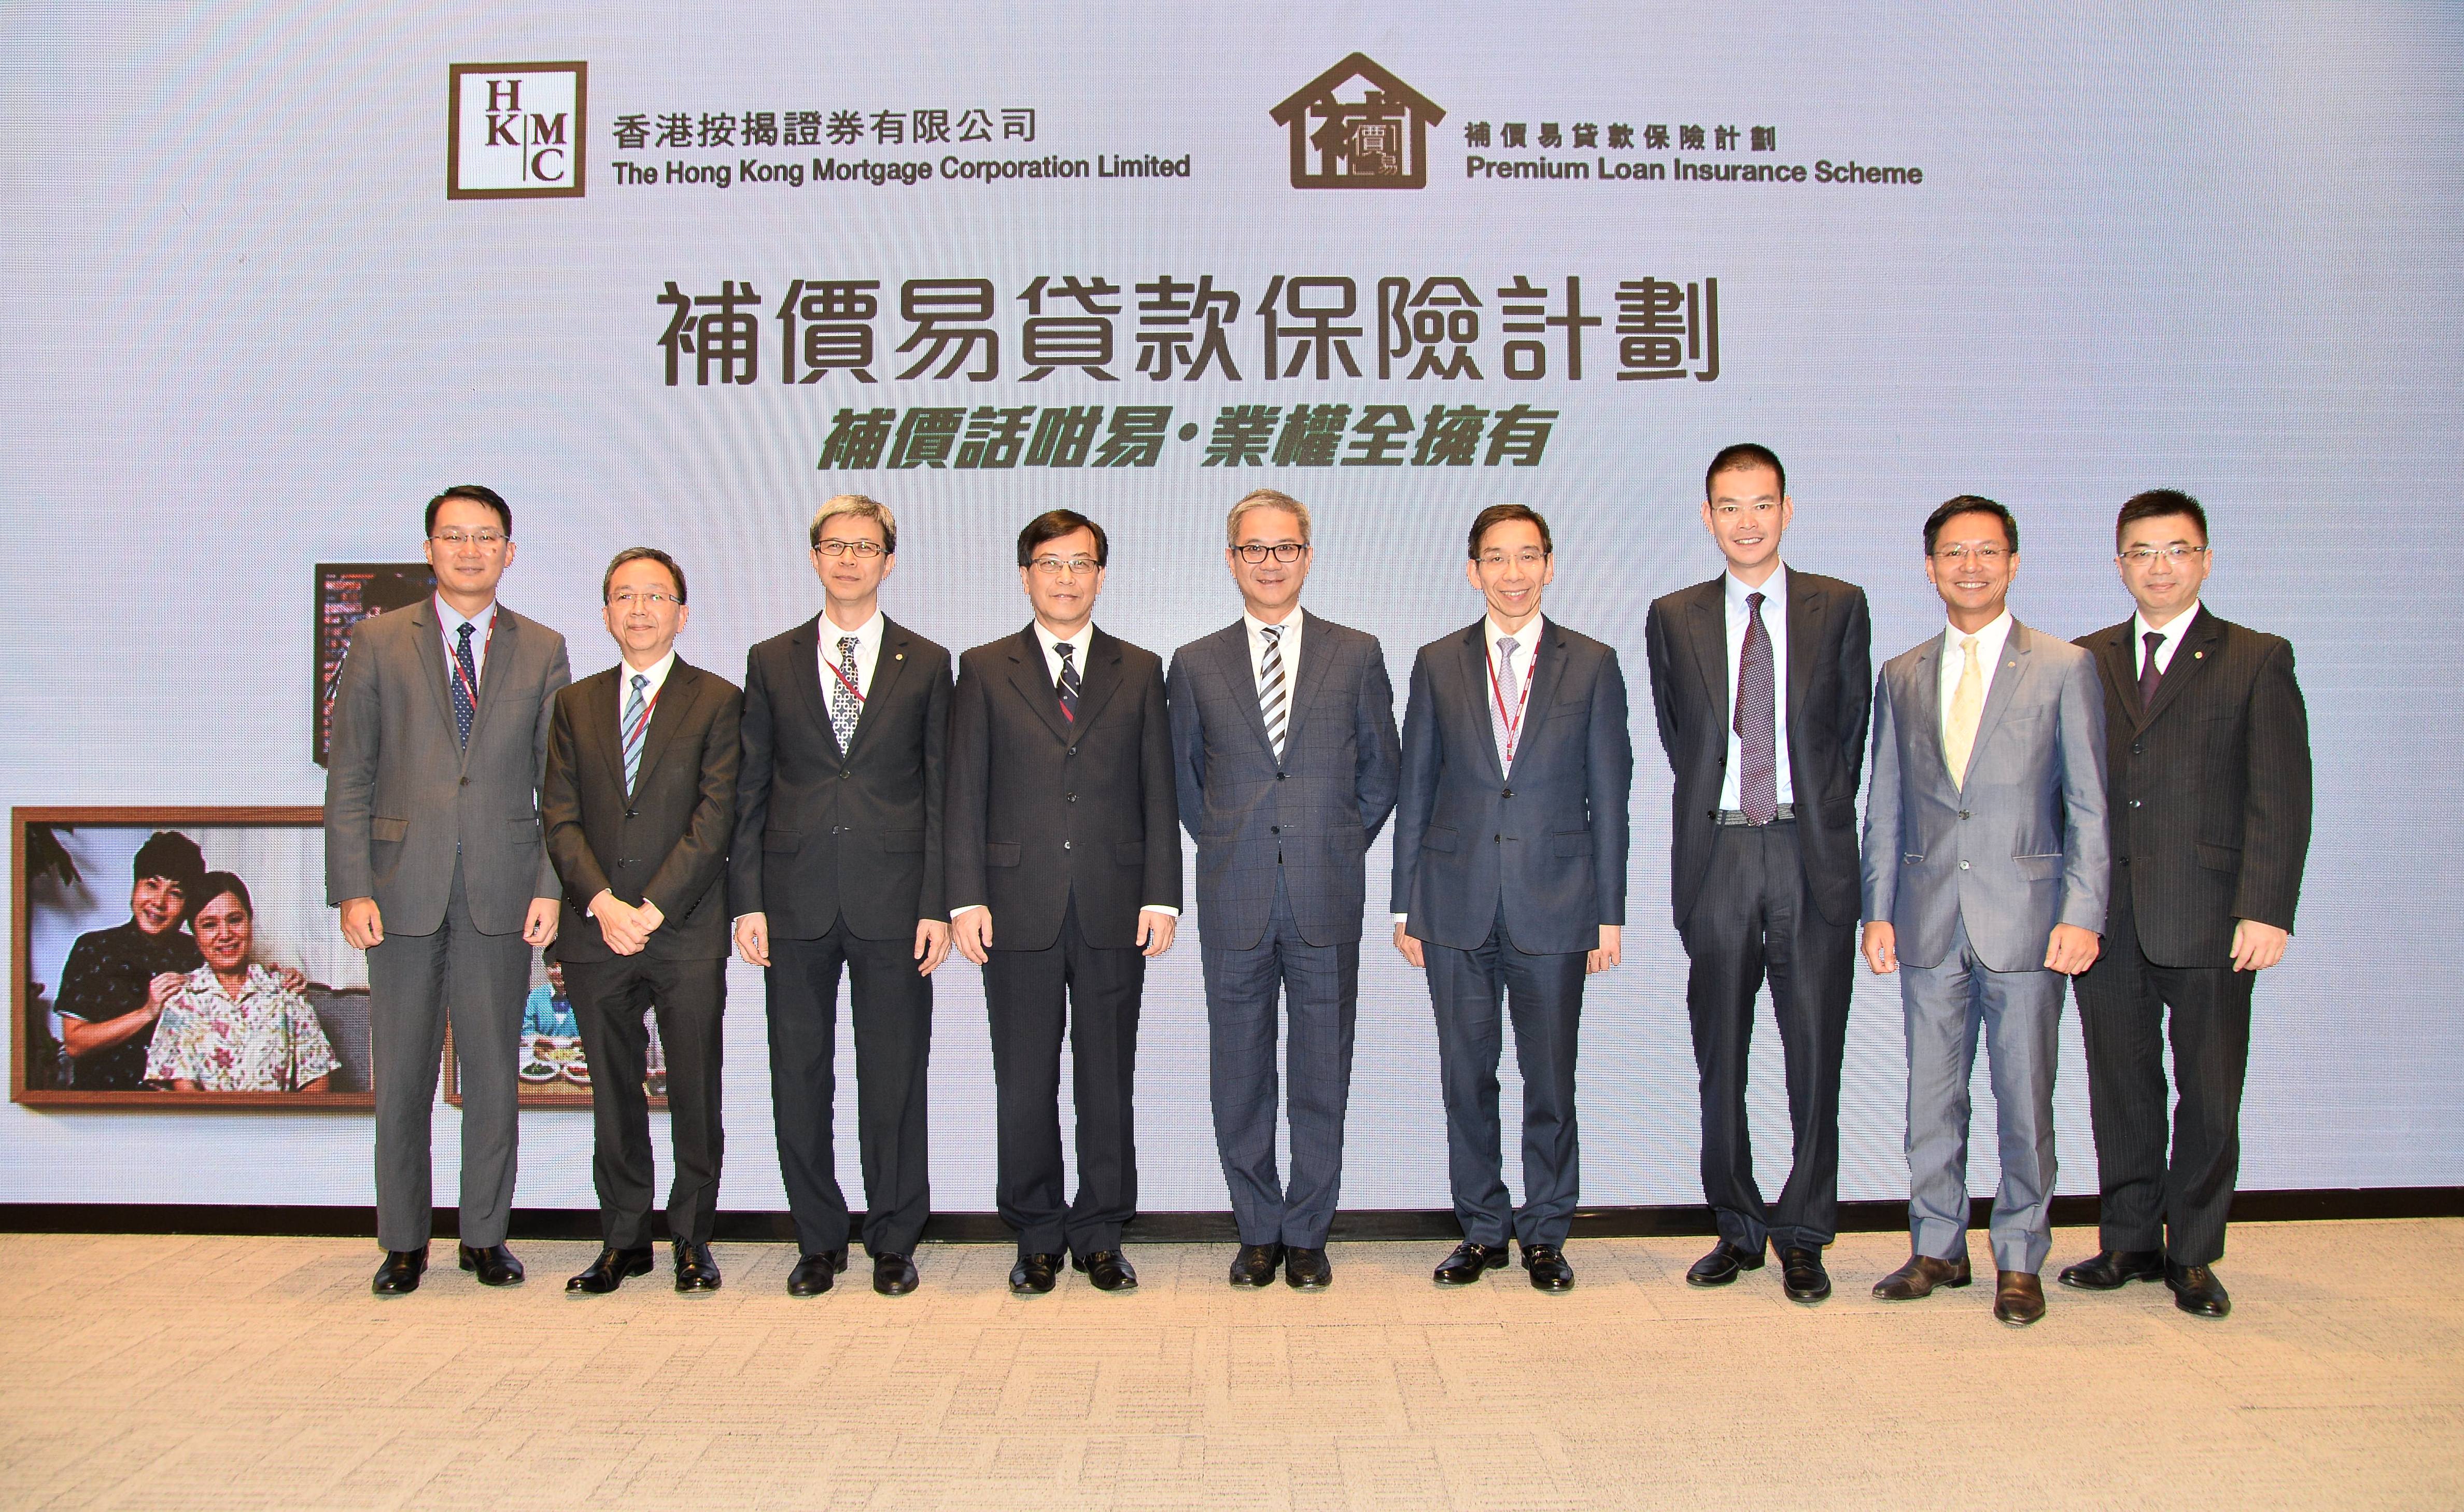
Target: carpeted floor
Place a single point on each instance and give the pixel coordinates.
(226, 1372)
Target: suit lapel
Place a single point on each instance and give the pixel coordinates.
(815, 679)
(432, 655)
(887, 664)
(1474, 666)
(1710, 634)
(2121, 668)
(1027, 674)
(2189, 659)
(502, 636)
(1230, 648)
(603, 711)
(1806, 604)
(1101, 679)
(676, 702)
(1317, 652)
(1923, 699)
(2004, 683)
(1547, 671)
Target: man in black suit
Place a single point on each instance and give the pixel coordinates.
(639, 803)
(1762, 679)
(838, 864)
(1282, 735)
(2207, 773)
(1510, 881)
(1062, 832)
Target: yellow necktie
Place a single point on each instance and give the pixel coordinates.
(1966, 708)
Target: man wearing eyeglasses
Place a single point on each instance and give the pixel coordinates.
(1283, 731)
(1984, 887)
(1510, 881)
(837, 868)
(2208, 781)
(1064, 878)
(434, 854)
(639, 807)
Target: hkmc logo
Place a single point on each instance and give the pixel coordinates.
(1356, 126)
(515, 131)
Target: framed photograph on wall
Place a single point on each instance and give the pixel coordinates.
(182, 957)
(553, 1070)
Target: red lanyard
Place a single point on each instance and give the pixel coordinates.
(1514, 719)
(634, 733)
(845, 681)
(456, 662)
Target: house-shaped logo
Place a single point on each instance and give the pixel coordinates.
(1377, 139)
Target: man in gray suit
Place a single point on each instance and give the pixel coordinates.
(1282, 742)
(1985, 879)
(435, 855)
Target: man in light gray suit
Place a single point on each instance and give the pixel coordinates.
(1285, 763)
(1985, 884)
(435, 855)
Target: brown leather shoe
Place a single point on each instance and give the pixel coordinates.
(1919, 1276)
(2018, 1297)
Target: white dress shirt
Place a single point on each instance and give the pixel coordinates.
(1079, 643)
(1990, 642)
(2171, 642)
(1292, 648)
(1774, 592)
(449, 622)
(867, 650)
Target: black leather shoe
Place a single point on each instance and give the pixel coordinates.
(1919, 1276)
(1721, 1266)
(1548, 1269)
(1034, 1275)
(1108, 1270)
(1255, 1264)
(398, 1275)
(2111, 1270)
(814, 1273)
(696, 1271)
(494, 1264)
(1801, 1275)
(893, 1275)
(2197, 1290)
(1468, 1262)
(608, 1271)
(1305, 1269)
(2018, 1298)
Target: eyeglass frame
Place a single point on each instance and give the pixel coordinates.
(651, 598)
(1075, 566)
(1284, 552)
(1985, 556)
(2145, 556)
(840, 546)
(486, 540)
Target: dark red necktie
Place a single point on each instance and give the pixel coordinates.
(1758, 777)
(2148, 674)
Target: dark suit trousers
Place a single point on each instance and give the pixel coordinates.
(412, 979)
(1544, 996)
(894, 1053)
(1030, 995)
(1754, 921)
(1320, 987)
(2122, 1001)
(611, 1002)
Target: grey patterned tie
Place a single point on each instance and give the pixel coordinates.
(635, 728)
(1756, 720)
(845, 707)
(1270, 689)
(1508, 696)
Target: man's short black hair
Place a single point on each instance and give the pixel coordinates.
(675, 573)
(478, 493)
(1052, 525)
(1970, 504)
(1744, 454)
(1500, 513)
(2157, 502)
(170, 854)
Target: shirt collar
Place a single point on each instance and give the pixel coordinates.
(657, 673)
(1258, 626)
(865, 634)
(1525, 638)
(2141, 629)
(1078, 643)
(1989, 640)
(453, 620)
(1774, 589)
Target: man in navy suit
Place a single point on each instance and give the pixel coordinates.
(1284, 760)
(1509, 880)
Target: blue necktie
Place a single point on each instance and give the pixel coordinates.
(464, 711)
(1069, 685)
(635, 728)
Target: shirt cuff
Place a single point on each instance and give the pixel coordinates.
(964, 908)
(1402, 918)
(1164, 909)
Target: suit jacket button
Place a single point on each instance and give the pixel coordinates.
(845, 774)
(1065, 845)
(1963, 866)
(632, 812)
(2134, 802)
(1280, 776)
(2121, 860)
(466, 781)
(1963, 812)
(1071, 797)
(1072, 751)
(1497, 840)
(2136, 749)
(1274, 829)
(1509, 793)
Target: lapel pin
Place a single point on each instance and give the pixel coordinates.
(2199, 656)
(898, 656)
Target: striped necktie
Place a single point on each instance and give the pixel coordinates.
(635, 728)
(1270, 689)
(1068, 686)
